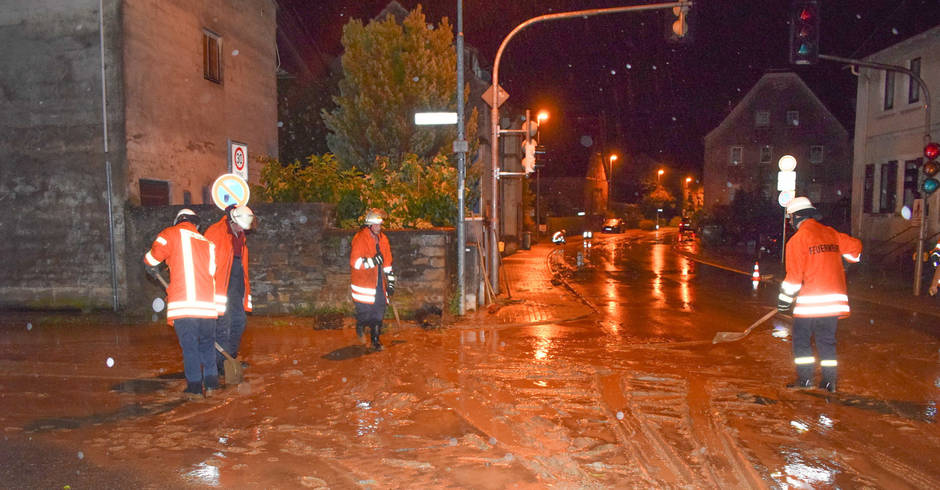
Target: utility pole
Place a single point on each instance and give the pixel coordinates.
(460, 147)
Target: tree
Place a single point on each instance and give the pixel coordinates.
(391, 71)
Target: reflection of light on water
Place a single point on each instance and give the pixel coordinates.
(801, 427)
(825, 421)
(781, 331)
(544, 335)
(658, 265)
(542, 384)
(366, 422)
(931, 410)
(797, 473)
(204, 474)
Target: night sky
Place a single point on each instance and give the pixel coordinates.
(655, 97)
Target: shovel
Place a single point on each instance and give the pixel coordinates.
(732, 336)
(234, 374)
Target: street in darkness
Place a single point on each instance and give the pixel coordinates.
(598, 370)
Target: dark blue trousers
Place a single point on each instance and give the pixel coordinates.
(824, 331)
(231, 325)
(197, 339)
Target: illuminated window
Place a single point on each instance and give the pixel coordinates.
(211, 56)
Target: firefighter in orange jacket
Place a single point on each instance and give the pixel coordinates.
(816, 278)
(232, 287)
(190, 298)
(371, 277)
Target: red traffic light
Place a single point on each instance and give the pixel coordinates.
(806, 14)
(932, 150)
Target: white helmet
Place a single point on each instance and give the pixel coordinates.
(799, 204)
(242, 216)
(374, 217)
(186, 214)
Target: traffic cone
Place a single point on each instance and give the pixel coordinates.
(755, 276)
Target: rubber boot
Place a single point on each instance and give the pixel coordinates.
(212, 385)
(360, 330)
(828, 382)
(800, 384)
(193, 390)
(376, 343)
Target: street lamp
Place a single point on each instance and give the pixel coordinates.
(659, 174)
(543, 116)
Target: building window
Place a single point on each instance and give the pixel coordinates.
(734, 158)
(911, 172)
(868, 199)
(212, 56)
(816, 154)
(154, 192)
(888, 187)
(766, 154)
(762, 119)
(913, 88)
(793, 118)
(889, 90)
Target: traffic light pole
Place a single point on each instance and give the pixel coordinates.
(922, 234)
(493, 258)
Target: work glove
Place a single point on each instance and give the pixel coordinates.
(784, 302)
(390, 284)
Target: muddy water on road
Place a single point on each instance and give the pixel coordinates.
(633, 396)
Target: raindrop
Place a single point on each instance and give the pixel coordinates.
(871, 321)
(110, 362)
(344, 380)
(415, 79)
(629, 66)
(673, 118)
(858, 16)
(894, 30)
(280, 124)
(728, 185)
(453, 441)
(654, 67)
(29, 326)
(613, 72)
(81, 455)
(234, 52)
(492, 440)
(302, 219)
(619, 415)
(569, 65)
(508, 457)
(587, 141)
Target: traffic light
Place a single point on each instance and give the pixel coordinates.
(528, 161)
(679, 22)
(804, 32)
(930, 168)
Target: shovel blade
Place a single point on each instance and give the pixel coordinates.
(728, 337)
(234, 374)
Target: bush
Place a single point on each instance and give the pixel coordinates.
(647, 224)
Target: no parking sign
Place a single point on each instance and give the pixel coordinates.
(230, 189)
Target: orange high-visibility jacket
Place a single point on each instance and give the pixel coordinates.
(220, 234)
(814, 269)
(191, 258)
(364, 273)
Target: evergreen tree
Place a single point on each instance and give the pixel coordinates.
(391, 71)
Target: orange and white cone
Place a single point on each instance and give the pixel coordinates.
(755, 276)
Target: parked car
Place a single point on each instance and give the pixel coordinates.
(685, 229)
(612, 225)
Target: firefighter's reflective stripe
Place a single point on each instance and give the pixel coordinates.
(364, 263)
(191, 309)
(387, 270)
(790, 289)
(150, 260)
(852, 258)
(828, 363)
(221, 301)
(822, 305)
(785, 298)
(249, 302)
(804, 360)
(161, 240)
(363, 295)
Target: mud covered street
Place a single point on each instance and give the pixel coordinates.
(597, 371)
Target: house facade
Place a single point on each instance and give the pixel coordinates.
(779, 116)
(891, 128)
(110, 104)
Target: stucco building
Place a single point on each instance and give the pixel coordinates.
(106, 104)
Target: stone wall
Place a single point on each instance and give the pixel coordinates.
(299, 264)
